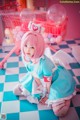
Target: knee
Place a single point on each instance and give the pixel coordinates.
(16, 89)
(61, 110)
(60, 113)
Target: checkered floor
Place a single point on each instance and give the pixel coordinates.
(17, 108)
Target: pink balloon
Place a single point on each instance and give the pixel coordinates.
(56, 13)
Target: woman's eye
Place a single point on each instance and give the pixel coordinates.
(32, 47)
(25, 45)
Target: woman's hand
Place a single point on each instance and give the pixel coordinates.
(40, 87)
(43, 100)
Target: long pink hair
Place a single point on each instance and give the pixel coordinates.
(36, 40)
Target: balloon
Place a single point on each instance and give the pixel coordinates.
(56, 13)
(27, 14)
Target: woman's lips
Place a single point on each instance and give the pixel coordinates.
(28, 53)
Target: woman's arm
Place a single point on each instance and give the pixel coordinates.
(38, 81)
(47, 81)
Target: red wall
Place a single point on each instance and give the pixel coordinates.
(73, 26)
(73, 13)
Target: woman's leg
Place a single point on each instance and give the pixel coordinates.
(22, 92)
(61, 109)
(17, 90)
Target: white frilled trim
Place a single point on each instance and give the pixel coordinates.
(26, 93)
(61, 100)
(32, 100)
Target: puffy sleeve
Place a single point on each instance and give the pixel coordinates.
(47, 66)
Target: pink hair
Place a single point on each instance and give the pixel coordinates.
(36, 40)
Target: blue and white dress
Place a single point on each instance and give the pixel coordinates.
(62, 85)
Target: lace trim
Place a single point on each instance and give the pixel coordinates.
(50, 102)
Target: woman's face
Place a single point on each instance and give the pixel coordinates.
(29, 50)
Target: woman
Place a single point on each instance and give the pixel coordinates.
(44, 82)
